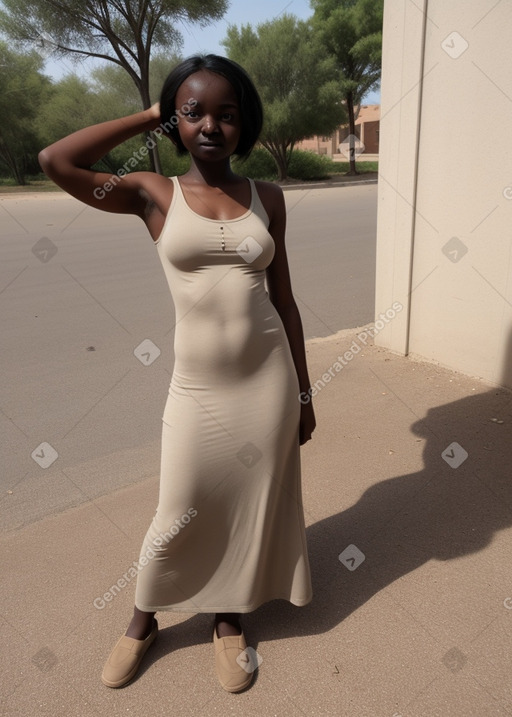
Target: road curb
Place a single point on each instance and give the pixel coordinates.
(327, 185)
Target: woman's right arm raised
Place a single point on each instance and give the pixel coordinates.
(68, 162)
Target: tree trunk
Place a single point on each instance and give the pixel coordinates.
(14, 166)
(282, 167)
(280, 157)
(352, 134)
(151, 141)
(19, 174)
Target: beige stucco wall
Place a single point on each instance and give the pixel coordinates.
(444, 240)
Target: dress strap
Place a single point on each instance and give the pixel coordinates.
(257, 205)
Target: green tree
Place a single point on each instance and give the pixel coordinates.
(121, 31)
(75, 102)
(23, 90)
(296, 80)
(71, 104)
(351, 30)
(118, 93)
(115, 95)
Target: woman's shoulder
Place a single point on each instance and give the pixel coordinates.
(271, 196)
(270, 188)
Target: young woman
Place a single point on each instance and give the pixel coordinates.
(228, 533)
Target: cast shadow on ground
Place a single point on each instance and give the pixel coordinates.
(439, 513)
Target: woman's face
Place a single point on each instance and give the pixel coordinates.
(211, 129)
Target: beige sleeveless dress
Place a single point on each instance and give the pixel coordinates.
(228, 533)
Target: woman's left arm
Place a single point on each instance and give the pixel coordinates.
(281, 295)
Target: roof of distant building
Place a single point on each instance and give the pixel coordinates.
(368, 113)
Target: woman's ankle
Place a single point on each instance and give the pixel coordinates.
(228, 624)
(141, 625)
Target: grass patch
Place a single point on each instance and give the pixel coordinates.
(37, 183)
(361, 167)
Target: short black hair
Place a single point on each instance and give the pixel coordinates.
(251, 110)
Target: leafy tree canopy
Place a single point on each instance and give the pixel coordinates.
(296, 80)
(351, 31)
(120, 31)
(75, 102)
(23, 91)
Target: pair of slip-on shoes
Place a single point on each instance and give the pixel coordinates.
(233, 662)
(125, 659)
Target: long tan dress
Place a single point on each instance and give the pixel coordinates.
(228, 533)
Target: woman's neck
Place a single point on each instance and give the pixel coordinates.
(213, 174)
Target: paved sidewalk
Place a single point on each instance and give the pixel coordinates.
(408, 478)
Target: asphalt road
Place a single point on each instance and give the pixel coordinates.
(87, 331)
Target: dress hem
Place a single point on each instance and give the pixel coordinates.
(231, 608)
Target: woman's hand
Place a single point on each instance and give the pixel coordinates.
(307, 422)
(154, 113)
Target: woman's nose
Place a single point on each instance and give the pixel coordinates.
(209, 124)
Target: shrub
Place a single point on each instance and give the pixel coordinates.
(309, 165)
(259, 165)
(361, 166)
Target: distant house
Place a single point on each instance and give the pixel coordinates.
(367, 131)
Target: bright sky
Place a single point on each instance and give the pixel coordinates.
(208, 39)
(239, 13)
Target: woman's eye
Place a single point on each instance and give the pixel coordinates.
(227, 117)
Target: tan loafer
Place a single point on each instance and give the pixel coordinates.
(232, 674)
(125, 658)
